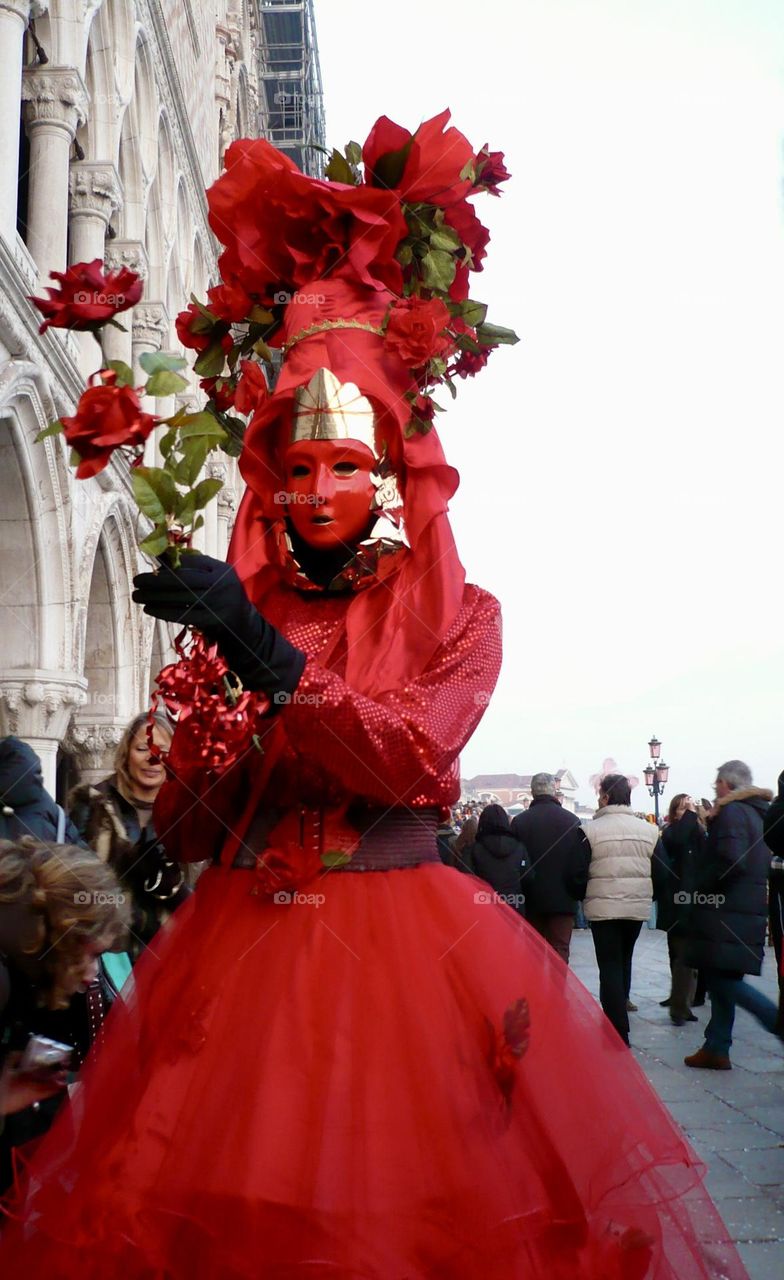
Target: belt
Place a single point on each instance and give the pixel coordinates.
(389, 839)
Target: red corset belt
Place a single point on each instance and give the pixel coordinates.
(386, 838)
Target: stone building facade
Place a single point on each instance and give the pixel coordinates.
(114, 116)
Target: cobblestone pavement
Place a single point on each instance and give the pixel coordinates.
(734, 1119)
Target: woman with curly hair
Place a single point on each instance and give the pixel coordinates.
(60, 909)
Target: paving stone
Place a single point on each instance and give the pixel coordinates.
(753, 1218)
(762, 1261)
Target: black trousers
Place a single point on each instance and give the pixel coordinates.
(613, 942)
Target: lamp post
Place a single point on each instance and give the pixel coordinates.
(656, 775)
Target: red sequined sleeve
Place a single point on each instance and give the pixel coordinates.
(400, 747)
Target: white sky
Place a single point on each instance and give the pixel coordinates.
(621, 467)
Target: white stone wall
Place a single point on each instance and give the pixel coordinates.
(126, 123)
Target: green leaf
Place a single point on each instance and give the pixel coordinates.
(449, 384)
(74, 458)
(492, 335)
(210, 363)
(205, 491)
(338, 169)
(167, 442)
(405, 254)
(165, 383)
(124, 373)
(194, 455)
(153, 361)
(155, 543)
(185, 509)
(468, 171)
(445, 238)
(154, 491)
(353, 153)
(54, 429)
(473, 312)
(205, 311)
(260, 315)
(438, 270)
(263, 350)
(201, 424)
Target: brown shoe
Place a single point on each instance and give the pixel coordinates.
(706, 1058)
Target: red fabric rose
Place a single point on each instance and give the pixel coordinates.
(221, 392)
(283, 229)
(197, 331)
(87, 297)
(414, 330)
(252, 389)
(230, 301)
(470, 362)
(428, 165)
(490, 170)
(475, 237)
(107, 416)
(423, 412)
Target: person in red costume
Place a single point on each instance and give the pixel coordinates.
(340, 1059)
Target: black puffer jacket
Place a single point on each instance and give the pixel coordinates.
(26, 808)
(684, 842)
(552, 837)
(729, 909)
(499, 859)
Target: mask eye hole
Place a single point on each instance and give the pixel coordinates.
(300, 470)
(345, 469)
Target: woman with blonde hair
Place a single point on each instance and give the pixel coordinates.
(114, 816)
(60, 910)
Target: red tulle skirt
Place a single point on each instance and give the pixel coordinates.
(323, 1088)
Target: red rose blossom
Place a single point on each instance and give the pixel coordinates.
(87, 297)
(221, 392)
(470, 362)
(252, 388)
(414, 330)
(197, 331)
(283, 229)
(491, 170)
(423, 412)
(230, 301)
(107, 417)
(431, 167)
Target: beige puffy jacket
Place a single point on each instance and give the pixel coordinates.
(619, 877)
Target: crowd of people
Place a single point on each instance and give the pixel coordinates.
(715, 875)
(81, 896)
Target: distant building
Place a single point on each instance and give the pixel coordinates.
(514, 789)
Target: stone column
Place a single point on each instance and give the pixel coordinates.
(95, 191)
(37, 706)
(94, 746)
(55, 105)
(150, 329)
(123, 253)
(14, 16)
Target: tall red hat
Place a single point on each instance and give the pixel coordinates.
(366, 277)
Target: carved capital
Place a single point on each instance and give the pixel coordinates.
(39, 704)
(127, 253)
(95, 744)
(54, 95)
(150, 324)
(95, 190)
(19, 8)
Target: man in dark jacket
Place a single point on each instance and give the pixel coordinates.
(774, 839)
(26, 808)
(728, 917)
(551, 836)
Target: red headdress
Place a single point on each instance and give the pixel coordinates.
(366, 277)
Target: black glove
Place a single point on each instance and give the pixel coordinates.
(207, 594)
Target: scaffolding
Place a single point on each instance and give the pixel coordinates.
(292, 98)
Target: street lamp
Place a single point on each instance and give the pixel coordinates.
(656, 775)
